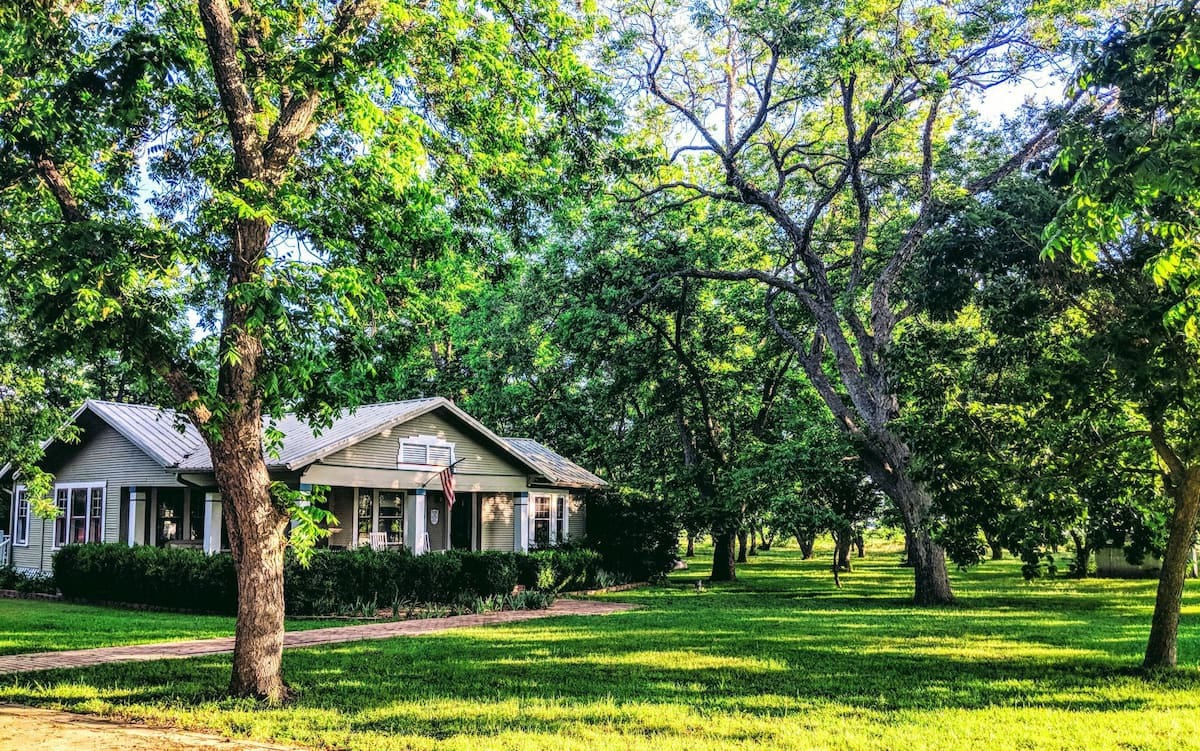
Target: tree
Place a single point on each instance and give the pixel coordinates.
(238, 285)
(1136, 199)
(832, 127)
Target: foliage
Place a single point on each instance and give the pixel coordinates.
(1132, 163)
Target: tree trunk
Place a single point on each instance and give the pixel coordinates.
(768, 539)
(753, 540)
(842, 544)
(1083, 554)
(806, 543)
(256, 525)
(931, 580)
(741, 545)
(723, 568)
(860, 545)
(691, 545)
(1164, 628)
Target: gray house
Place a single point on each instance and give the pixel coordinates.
(141, 475)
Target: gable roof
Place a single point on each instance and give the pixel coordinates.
(176, 444)
(555, 467)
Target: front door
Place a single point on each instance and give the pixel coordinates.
(460, 521)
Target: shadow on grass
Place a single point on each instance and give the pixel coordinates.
(780, 641)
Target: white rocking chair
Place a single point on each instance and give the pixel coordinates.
(377, 540)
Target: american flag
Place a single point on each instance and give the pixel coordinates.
(447, 476)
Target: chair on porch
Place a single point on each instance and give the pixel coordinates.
(377, 540)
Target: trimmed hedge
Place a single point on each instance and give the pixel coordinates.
(335, 581)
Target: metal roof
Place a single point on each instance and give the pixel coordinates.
(176, 444)
(301, 447)
(556, 467)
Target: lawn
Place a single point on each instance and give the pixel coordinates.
(46, 626)
(779, 660)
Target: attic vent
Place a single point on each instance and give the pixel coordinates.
(425, 451)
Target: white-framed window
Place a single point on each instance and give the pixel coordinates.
(20, 532)
(80, 513)
(542, 528)
(548, 520)
(422, 451)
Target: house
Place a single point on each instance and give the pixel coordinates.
(141, 475)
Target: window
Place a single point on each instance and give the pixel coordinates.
(196, 518)
(80, 514)
(20, 517)
(169, 523)
(541, 521)
(560, 518)
(365, 515)
(391, 516)
(425, 451)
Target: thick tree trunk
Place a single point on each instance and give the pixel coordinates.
(753, 540)
(1164, 628)
(723, 569)
(931, 579)
(691, 546)
(741, 545)
(256, 525)
(860, 545)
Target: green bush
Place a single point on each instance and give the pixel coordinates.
(336, 582)
(636, 534)
(15, 579)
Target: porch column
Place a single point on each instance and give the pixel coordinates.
(212, 523)
(566, 518)
(415, 526)
(521, 522)
(137, 517)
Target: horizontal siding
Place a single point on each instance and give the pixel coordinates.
(380, 451)
(576, 517)
(104, 457)
(497, 522)
(342, 505)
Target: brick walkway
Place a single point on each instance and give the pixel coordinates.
(178, 650)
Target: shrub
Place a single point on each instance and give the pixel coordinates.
(336, 582)
(636, 535)
(488, 573)
(37, 583)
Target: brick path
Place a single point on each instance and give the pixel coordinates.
(177, 650)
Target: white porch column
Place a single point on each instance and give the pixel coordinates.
(521, 522)
(212, 523)
(416, 527)
(566, 518)
(137, 517)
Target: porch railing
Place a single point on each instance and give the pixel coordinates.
(5, 549)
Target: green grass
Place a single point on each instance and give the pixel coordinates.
(779, 660)
(47, 626)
